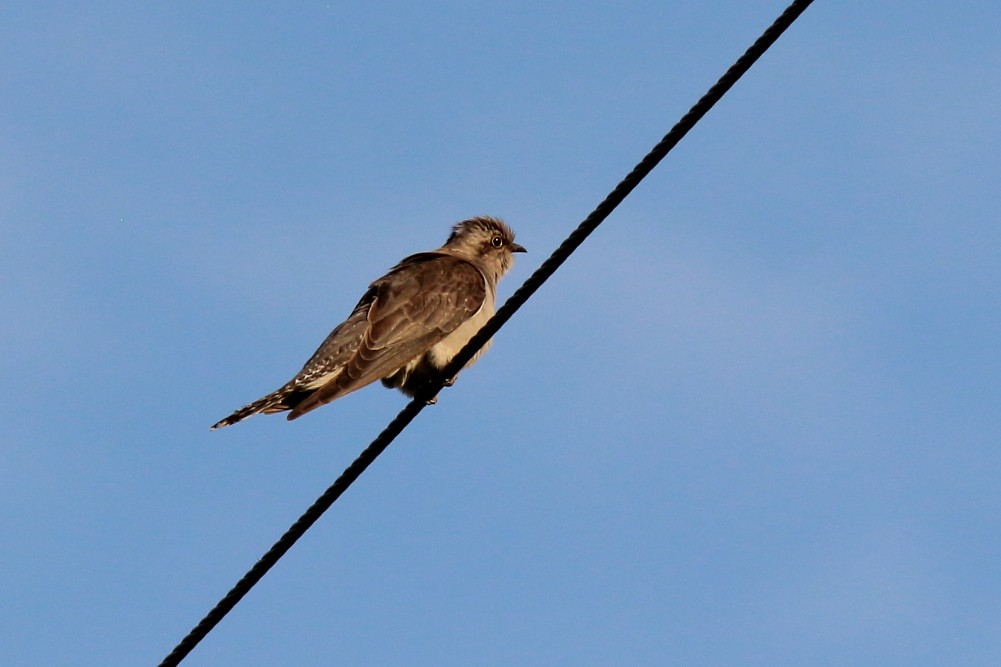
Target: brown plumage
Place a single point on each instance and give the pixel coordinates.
(408, 324)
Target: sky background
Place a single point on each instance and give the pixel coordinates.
(755, 420)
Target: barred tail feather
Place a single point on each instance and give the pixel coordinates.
(273, 402)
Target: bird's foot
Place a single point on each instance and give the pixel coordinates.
(431, 401)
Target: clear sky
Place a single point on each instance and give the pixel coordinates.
(756, 420)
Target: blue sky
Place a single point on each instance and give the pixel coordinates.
(754, 420)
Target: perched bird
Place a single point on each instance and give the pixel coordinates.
(407, 326)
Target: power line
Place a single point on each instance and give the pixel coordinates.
(504, 313)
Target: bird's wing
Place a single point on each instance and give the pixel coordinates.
(415, 305)
(338, 347)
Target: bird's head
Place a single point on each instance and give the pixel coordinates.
(486, 241)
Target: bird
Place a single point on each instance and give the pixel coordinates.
(407, 325)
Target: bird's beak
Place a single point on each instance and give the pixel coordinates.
(515, 247)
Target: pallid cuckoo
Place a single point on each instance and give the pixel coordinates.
(407, 326)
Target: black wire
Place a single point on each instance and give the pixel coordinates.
(504, 313)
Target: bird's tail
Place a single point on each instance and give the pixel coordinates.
(273, 402)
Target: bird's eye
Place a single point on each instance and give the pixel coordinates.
(497, 241)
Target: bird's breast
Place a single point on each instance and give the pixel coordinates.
(443, 351)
